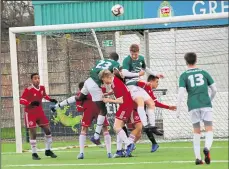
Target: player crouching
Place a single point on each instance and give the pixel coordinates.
(90, 112)
(125, 109)
(34, 114)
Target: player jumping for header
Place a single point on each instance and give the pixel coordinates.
(90, 112)
(34, 114)
(92, 86)
(125, 109)
(196, 82)
(133, 68)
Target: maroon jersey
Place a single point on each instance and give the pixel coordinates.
(31, 94)
(90, 111)
(86, 104)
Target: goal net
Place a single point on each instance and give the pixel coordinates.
(63, 55)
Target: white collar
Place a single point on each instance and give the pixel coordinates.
(36, 88)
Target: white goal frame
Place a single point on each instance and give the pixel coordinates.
(42, 50)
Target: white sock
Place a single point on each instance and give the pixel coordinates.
(82, 140)
(99, 126)
(142, 115)
(196, 145)
(107, 139)
(131, 138)
(68, 101)
(119, 143)
(48, 142)
(208, 139)
(123, 137)
(33, 144)
(151, 116)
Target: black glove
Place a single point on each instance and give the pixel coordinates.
(54, 101)
(53, 108)
(35, 103)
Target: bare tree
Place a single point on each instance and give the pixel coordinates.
(16, 13)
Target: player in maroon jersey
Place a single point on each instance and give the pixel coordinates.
(34, 115)
(125, 109)
(90, 112)
(153, 84)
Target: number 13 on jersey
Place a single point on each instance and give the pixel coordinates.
(196, 80)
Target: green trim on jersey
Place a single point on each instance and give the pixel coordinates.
(134, 66)
(106, 64)
(196, 82)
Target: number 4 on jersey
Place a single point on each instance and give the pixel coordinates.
(196, 80)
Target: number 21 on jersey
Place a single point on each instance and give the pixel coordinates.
(103, 65)
(196, 80)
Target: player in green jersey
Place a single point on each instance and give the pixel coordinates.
(92, 87)
(106, 64)
(134, 67)
(196, 82)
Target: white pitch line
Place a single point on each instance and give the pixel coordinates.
(107, 164)
(101, 149)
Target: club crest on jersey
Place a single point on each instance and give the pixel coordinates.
(136, 118)
(34, 94)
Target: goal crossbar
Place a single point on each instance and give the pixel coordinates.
(107, 24)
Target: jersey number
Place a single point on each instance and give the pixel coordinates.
(103, 65)
(196, 80)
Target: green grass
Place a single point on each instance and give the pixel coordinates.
(9, 133)
(167, 157)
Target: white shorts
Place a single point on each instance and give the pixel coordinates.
(201, 114)
(136, 91)
(91, 87)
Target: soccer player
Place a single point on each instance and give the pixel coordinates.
(90, 112)
(153, 84)
(196, 82)
(133, 68)
(34, 115)
(92, 86)
(125, 109)
(134, 124)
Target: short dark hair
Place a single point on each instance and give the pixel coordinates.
(190, 58)
(152, 77)
(134, 48)
(114, 56)
(33, 74)
(80, 85)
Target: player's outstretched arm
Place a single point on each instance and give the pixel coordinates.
(127, 73)
(47, 97)
(164, 106)
(109, 100)
(65, 102)
(181, 91)
(213, 91)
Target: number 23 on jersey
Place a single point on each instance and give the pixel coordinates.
(103, 65)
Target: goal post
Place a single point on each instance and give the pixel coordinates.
(42, 50)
